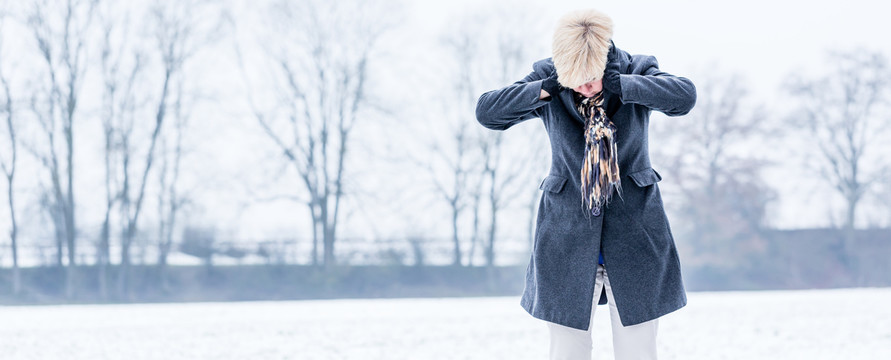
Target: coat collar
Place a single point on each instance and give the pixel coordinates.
(611, 100)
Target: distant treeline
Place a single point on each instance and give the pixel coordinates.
(797, 259)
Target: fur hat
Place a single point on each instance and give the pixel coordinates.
(580, 46)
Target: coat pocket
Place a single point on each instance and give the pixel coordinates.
(645, 177)
(553, 183)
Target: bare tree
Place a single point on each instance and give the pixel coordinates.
(53, 211)
(319, 53)
(170, 200)
(487, 54)
(447, 160)
(884, 197)
(9, 167)
(717, 172)
(176, 39)
(456, 192)
(466, 45)
(63, 52)
(505, 168)
(840, 114)
(121, 64)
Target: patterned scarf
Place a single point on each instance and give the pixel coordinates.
(600, 170)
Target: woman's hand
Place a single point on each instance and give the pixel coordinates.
(611, 73)
(549, 86)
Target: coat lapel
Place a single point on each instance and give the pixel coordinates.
(566, 97)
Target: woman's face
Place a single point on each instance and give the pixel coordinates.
(590, 88)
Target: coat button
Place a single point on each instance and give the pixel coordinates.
(595, 211)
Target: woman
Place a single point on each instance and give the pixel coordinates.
(601, 203)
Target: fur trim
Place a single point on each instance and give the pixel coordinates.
(580, 46)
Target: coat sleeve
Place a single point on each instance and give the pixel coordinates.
(658, 90)
(502, 108)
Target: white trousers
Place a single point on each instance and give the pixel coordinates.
(636, 342)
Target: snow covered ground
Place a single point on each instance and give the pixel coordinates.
(799, 324)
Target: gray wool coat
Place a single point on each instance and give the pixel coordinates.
(632, 230)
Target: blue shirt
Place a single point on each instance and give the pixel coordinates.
(601, 257)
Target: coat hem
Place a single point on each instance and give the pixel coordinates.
(656, 315)
(552, 316)
(566, 320)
